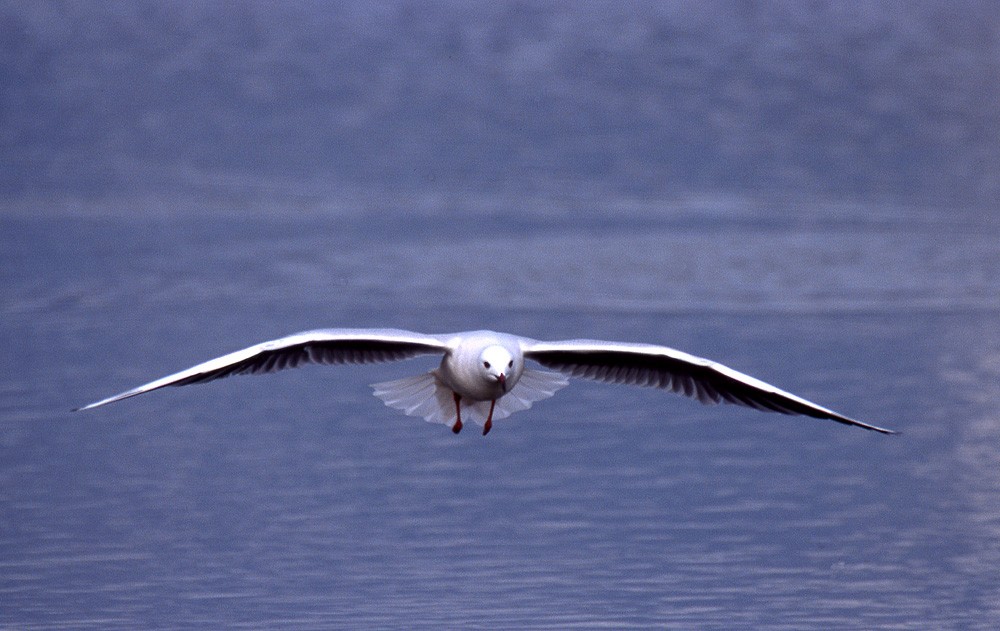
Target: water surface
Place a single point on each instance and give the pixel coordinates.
(299, 500)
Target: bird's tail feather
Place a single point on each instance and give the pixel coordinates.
(422, 395)
(534, 385)
(425, 395)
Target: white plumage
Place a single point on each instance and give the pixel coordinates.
(482, 376)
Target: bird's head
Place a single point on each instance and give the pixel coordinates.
(496, 364)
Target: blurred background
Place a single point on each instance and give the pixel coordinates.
(522, 105)
(805, 191)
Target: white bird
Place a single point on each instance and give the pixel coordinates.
(483, 376)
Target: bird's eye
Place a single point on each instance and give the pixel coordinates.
(510, 364)
(487, 364)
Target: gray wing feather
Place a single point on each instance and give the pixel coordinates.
(670, 369)
(324, 346)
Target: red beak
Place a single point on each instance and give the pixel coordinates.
(503, 381)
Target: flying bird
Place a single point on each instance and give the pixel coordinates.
(483, 377)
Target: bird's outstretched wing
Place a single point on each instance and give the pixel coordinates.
(323, 346)
(670, 369)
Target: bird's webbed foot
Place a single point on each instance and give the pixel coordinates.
(489, 419)
(457, 427)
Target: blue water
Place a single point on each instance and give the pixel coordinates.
(803, 191)
(297, 499)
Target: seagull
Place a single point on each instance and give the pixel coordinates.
(483, 377)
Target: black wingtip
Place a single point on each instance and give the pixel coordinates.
(874, 428)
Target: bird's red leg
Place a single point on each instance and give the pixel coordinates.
(457, 427)
(489, 418)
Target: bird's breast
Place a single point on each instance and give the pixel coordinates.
(467, 380)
